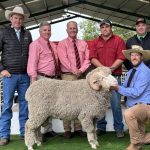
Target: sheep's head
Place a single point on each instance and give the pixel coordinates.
(101, 78)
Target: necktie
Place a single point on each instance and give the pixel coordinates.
(129, 81)
(78, 64)
(54, 58)
(131, 77)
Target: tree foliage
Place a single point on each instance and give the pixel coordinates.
(90, 30)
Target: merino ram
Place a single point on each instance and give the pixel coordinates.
(85, 99)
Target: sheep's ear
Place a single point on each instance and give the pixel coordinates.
(94, 81)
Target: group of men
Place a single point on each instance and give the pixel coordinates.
(23, 62)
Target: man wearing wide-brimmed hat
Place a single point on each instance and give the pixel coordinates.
(14, 45)
(141, 38)
(137, 90)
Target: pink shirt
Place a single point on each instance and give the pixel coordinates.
(40, 58)
(66, 54)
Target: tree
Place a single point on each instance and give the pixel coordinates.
(90, 30)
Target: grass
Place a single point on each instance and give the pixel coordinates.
(107, 141)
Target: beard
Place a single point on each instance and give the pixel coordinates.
(136, 65)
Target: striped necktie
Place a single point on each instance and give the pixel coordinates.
(78, 63)
(54, 58)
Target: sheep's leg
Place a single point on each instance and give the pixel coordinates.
(29, 136)
(95, 135)
(38, 137)
(32, 130)
(88, 126)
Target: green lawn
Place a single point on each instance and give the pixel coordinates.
(107, 141)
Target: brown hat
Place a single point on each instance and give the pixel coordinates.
(137, 49)
(143, 20)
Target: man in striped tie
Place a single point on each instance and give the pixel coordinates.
(43, 62)
(74, 57)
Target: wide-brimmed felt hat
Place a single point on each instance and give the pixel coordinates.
(16, 10)
(136, 49)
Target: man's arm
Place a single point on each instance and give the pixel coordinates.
(96, 62)
(116, 64)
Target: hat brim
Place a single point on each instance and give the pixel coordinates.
(145, 53)
(9, 13)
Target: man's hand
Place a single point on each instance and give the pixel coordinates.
(5, 73)
(78, 73)
(32, 79)
(114, 87)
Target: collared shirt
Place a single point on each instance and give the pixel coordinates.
(139, 37)
(66, 54)
(107, 52)
(40, 58)
(18, 33)
(139, 89)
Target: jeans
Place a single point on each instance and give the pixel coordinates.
(19, 83)
(116, 110)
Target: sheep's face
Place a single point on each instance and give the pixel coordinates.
(101, 78)
(108, 81)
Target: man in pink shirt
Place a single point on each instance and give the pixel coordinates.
(74, 57)
(43, 62)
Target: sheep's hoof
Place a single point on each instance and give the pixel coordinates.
(30, 148)
(97, 144)
(38, 143)
(93, 146)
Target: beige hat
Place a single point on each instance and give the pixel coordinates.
(16, 10)
(137, 49)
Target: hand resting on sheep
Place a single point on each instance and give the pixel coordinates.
(85, 99)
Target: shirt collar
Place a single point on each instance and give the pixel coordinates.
(70, 39)
(109, 38)
(138, 36)
(43, 40)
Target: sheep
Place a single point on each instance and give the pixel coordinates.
(85, 99)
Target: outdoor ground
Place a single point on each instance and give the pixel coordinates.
(107, 141)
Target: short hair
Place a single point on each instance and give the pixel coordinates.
(72, 22)
(44, 23)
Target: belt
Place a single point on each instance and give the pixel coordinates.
(69, 73)
(45, 75)
(142, 103)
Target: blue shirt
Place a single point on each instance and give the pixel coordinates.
(139, 89)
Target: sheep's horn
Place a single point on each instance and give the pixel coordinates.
(94, 81)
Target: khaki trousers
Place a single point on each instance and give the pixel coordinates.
(66, 123)
(136, 118)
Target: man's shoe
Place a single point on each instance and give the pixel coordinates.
(4, 142)
(50, 134)
(119, 134)
(134, 147)
(80, 133)
(67, 135)
(100, 131)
